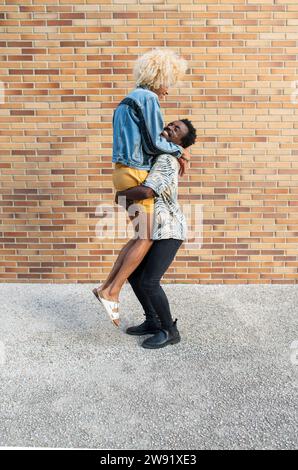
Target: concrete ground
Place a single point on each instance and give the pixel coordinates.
(71, 379)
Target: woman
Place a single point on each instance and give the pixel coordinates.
(137, 140)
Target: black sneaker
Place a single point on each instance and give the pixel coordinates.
(163, 338)
(146, 328)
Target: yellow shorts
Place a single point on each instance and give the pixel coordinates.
(125, 177)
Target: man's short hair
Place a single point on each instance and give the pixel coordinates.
(190, 138)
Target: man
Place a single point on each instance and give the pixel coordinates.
(169, 231)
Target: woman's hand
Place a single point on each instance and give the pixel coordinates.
(182, 164)
(186, 154)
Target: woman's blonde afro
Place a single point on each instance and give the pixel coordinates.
(159, 67)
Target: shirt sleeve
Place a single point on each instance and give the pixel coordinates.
(152, 124)
(162, 174)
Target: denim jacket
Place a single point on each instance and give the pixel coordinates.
(137, 124)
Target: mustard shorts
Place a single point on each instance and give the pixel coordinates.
(125, 177)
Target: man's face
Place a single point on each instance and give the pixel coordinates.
(175, 131)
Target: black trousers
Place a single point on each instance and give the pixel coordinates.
(145, 281)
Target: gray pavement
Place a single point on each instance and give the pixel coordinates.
(71, 379)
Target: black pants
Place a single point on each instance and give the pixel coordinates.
(145, 281)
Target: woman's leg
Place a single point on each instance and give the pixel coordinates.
(124, 250)
(125, 177)
(133, 257)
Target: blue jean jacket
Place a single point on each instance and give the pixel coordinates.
(137, 124)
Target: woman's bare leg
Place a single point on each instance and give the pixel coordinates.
(131, 261)
(132, 258)
(120, 258)
(124, 250)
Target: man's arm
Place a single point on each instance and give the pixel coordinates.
(160, 177)
(137, 193)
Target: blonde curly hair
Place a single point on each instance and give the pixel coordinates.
(159, 67)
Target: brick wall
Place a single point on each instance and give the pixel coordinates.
(66, 65)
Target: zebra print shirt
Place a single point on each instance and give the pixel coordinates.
(169, 220)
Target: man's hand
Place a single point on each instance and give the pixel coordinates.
(122, 200)
(117, 196)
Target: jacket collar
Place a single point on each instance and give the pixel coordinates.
(145, 87)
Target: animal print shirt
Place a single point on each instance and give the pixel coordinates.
(169, 220)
